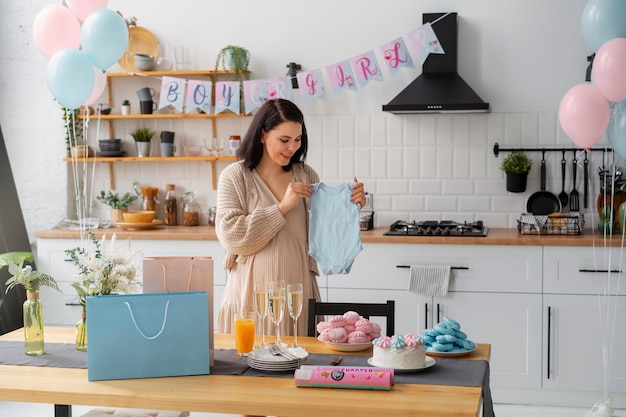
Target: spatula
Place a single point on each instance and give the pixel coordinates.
(563, 194)
(573, 195)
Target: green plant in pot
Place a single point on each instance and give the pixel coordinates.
(234, 58)
(516, 165)
(118, 204)
(142, 136)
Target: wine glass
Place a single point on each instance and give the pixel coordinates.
(294, 304)
(209, 145)
(261, 308)
(219, 144)
(276, 294)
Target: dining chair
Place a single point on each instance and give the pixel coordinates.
(320, 308)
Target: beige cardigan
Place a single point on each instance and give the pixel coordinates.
(243, 228)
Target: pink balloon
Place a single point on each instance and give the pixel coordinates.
(609, 69)
(100, 83)
(55, 27)
(83, 8)
(584, 114)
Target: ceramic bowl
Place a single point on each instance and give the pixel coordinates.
(139, 216)
(144, 62)
(110, 145)
(192, 150)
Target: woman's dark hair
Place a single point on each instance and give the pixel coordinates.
(271, 114)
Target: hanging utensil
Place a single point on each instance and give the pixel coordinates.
(563, 195)
(542, 203)
(573, 195)
(586, 181)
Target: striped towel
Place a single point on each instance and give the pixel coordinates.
(430, 280)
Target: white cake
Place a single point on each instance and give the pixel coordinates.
(399, 352)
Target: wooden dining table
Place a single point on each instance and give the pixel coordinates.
(267, 395)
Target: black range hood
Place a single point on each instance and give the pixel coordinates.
(439, 89)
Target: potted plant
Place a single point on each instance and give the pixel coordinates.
(142, 136)
(31, 280)
(126, 107)
(234, 58)
(73, 130)
(516, 166)
(118, 204)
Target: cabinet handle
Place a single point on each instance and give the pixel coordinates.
(548, 357)
(72, 304)
(452, 267)
(425, 316)
(601, 270)
(438, 313)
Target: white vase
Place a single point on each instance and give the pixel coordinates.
(126, 110)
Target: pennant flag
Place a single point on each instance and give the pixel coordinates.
(423, 41)
(227, 97)
(198, 96)
(254, 94)
(396, 55)
(341, 77)
(280, 87)
(172, 93)
(366, 68)
(311, 85)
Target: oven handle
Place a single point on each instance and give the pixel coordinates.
(452, 267)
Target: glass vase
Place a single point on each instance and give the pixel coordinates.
(33, 324)
(81, 332)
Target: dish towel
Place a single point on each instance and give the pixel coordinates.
(430, 280)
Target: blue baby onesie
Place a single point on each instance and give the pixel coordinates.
(335, 234)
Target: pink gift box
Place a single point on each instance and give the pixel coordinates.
(350, 377)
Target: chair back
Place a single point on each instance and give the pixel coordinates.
(367, 310)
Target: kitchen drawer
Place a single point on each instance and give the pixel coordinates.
(489, 268)
(583, 270)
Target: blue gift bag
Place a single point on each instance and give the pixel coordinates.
(147, 335)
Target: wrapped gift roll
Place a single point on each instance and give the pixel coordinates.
(350, 377)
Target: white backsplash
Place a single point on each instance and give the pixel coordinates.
(417, 167)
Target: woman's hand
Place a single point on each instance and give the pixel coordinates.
(358, 193)
(295, 191)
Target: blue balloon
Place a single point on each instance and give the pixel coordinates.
(616, 130)
(104, 37)
(70, 77)
(603, 20)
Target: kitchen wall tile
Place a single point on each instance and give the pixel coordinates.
(547, 128)
(379, 162)
(457, 187)
(511, 204)
(460, 161)
(444, 162)
(347, 167)
(379, 133)
(476, 205)
(428, 130)
(444, 130)
(363, 132)
(363, 164)
(442, 203)
(428, 162)
(346, 130)
(394, 130)
(478, 129)
(460, 130)
(491, 187)
(393, 187)
(530, 129)
(408, 203)
(395, 163)
(412, 129)
(426, 187)
(478, 162)
(410, 161)
(329, 133)
(330, 163)
(513, 128)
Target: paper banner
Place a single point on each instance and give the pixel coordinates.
(198, 96)
(396, 55)
(172, 93)
(341, 77)
(254, 94)
(227, 97)
(311, 85)
(280, 87)
(366, 68)
(423, 41)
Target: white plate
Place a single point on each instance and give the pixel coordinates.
(429, 362)
(264, 356)
(449, 354)
(348, 347)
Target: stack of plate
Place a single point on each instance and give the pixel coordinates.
(263, 359)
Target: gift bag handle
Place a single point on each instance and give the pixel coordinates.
(188, 280)
(132, 316)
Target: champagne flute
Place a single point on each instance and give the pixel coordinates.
(276, 293)
(261, 308)
(219, 144)
(294, 304)
(208, 144)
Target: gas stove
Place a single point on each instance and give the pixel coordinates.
(437, 228)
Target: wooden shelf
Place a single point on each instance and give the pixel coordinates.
(112, 159)
(161, 116)
(173, 73)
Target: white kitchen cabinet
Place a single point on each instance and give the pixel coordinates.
(63, 308)
(497, 299)
(584, 317)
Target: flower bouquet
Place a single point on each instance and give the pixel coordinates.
(103, 272)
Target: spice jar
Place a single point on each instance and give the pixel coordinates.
(190, 209)
(149, 202)
(170, 207)
(233, 145)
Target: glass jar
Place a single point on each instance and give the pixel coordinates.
(149, 201)
(33, 324)
(190, 209)
(81, 332)
(233, 145)
(170, 207)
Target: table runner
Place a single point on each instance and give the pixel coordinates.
(456, 372)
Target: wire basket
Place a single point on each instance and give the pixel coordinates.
(566, 224)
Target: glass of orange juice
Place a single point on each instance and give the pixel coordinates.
(244, 332)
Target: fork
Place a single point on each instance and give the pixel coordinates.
(277, 351)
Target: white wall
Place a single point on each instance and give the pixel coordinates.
(519, 56)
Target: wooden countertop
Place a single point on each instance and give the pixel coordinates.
(495, 236)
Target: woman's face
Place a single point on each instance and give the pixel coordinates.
(280, 143)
